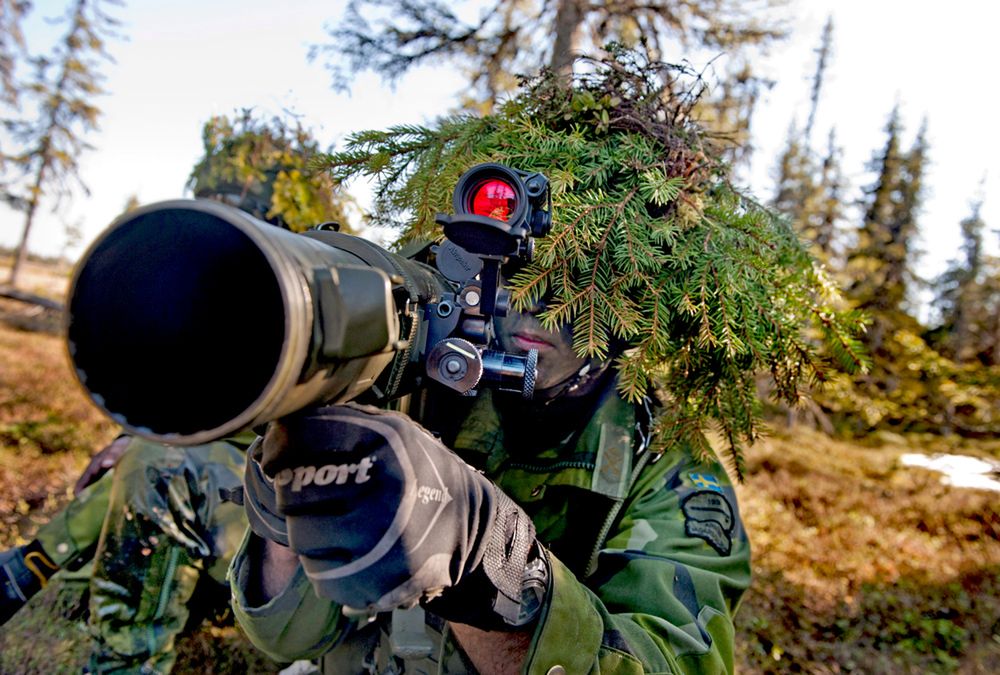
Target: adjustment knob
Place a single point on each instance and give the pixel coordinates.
(456, 364)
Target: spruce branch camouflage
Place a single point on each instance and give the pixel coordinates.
(651, 247)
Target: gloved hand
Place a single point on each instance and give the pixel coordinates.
(259, 499)
(23, 572)
(382, 516)
(101, 463)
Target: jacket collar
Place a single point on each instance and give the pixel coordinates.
(600, 459)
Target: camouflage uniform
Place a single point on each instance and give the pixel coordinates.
(649, 562)
(159, 527)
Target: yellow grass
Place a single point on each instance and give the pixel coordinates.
(861, 564)
(48, 429)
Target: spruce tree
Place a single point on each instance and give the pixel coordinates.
(727, 108)
(880, 263)
(903, 253)
(12, 51)
(795, 181)
(823, 54)
(50, 141)
(968, 297)
(811, 196)
(12, 47)
(911, 386)
(651, 244)
(513, 37)
(830, 208)
(807, 191)
(823, 206)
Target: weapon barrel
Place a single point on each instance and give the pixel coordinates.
(189, 320)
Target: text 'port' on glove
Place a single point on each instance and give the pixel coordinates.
(383, 515)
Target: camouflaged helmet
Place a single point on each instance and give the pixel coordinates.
(254, 197)
(651, 243)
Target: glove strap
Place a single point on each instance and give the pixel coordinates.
(534, 587)
(515, 563)
(259, 501)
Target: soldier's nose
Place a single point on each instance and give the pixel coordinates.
(535, 308)
(539, 305)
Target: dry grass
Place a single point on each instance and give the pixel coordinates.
(864, 565)
(43, 279)
(47, 279)
(47, 430)
(860, 564)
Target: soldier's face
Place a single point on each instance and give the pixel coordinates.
(520, 331)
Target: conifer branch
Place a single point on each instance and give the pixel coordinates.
(650, 243)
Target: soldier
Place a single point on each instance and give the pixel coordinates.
(630, 561)
(492, 534)
(152, 529)
(156, 526)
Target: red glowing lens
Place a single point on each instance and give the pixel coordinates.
(495, 199)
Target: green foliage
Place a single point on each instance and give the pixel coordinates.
(262, 166)
(927, 635)
(968, 299)
(938, 381)
(809, 193)
(51, 435)
(921, 380)
(928, 631)
(913, 388)
(651, 248)
(880, 264)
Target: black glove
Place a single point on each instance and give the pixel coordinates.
(382, 516)
(259, 500)
(23, 572)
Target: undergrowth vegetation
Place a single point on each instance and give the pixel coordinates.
(48, 430)
(861, 564)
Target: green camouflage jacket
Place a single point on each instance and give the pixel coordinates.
(150, 530)
(649, 561)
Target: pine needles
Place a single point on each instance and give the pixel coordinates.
(654, 257)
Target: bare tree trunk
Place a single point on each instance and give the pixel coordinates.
(569, 18)
(21, 256)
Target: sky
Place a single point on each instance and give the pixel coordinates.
(184, 61)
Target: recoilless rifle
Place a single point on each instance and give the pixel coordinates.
(189, 320)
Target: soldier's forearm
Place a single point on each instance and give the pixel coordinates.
(493, 652)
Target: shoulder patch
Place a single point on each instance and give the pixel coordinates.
(705, 481)
(708, 515)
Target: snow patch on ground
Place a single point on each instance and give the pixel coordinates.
(959, 470)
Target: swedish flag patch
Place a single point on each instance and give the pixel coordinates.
(705, 481)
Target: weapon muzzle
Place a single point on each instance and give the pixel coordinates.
(189, 320)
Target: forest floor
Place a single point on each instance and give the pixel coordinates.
(861, 564)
